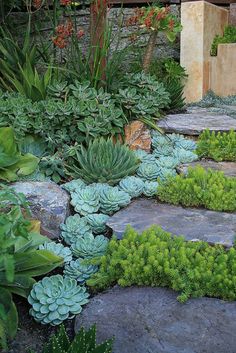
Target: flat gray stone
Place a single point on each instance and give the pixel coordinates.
(229, 168)
(151, 320)
(196, 122)
(192, 223)
(49, 203)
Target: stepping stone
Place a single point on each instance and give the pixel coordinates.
(192, 223)
(151, 320)
(229, 168)
(49, 203)
(196, 122)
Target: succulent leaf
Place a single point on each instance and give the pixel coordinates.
(90, 247)
(79, 270)
(58, 249)
(75, 227)
(132, 185)
(97, 222)
(112, 199)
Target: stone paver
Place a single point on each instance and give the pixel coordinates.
(49, 204)
(213, 227)
(197, 121)
(229, 168)
(151, 320)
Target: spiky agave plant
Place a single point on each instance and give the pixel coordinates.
(103, 162)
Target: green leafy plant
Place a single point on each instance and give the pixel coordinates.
(103, 162)
(90, 247)
(157, 258)
(53, 167)
(55, 299)
(12, 163)
(143, 97)
(218, 146)
(79, 270)
(200, 187)
(84, 342)
(20, 261)
(229, 36)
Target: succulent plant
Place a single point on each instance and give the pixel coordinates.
(79, 270)
(104, 162)
(144, 156)
(83, 342)
(58, 249)
(89, 246)
(55, 299)
(74, 185)
(167, 162)
(112, 199)
(85, 201)
(150, 188)
(132, 185)
(184, 156)
(163, 151)
(149, 171)
(74, 228)
(160, 140)
(97, 222)
(181, 142)
(167, 172)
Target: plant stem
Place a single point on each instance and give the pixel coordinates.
(149, 51)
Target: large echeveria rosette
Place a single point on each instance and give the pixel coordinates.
(55, 299)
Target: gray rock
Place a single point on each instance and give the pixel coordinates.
(229, 168)
(151, 320)
(192, 223)
(49, 203)
(196, 122)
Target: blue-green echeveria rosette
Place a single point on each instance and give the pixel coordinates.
(132, 185)
(85, 201)
(75, 227)
(90, 247)
(79, 270)
(58, 249)
(97, 222)
(149, 171)
(74, 185)
(112, 199)
(55, 299)
(150, 188)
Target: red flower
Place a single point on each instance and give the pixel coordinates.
(37, 3)
(65, 30)
(65, 2)
(171, 24)
(59, 42)
(80, 33)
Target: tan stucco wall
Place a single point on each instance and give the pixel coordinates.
(223, 70)
(201, 22)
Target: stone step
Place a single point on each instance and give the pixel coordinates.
(196, 121)
(151, 320)
(229, 168)
(192, 223)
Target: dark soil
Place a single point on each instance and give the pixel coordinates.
(31, 335)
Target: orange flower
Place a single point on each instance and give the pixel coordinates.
(65, 2)
(171, 24)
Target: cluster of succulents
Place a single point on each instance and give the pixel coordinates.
(58, 249)
(90, 247)
(85, 201)
(75, 227)
(79, 270)
(55, 299)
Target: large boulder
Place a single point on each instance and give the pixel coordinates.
(151, 320)
(49, 203)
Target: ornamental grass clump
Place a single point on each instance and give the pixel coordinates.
(219, 146)
(207, 188)
(103, 162)
(158, 259)
(55, 299)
